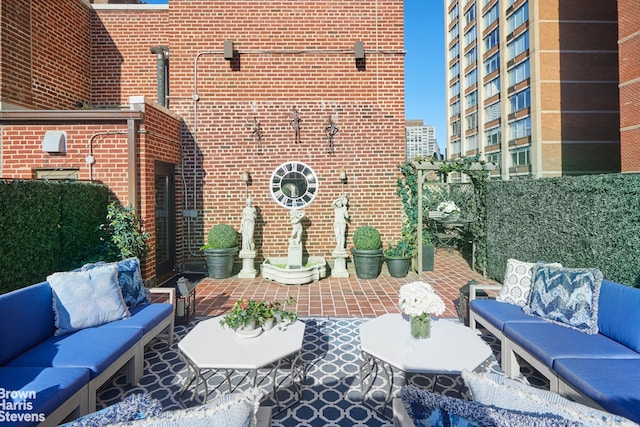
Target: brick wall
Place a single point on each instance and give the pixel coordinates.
(45, 53)
(289, 54)
(629, 59)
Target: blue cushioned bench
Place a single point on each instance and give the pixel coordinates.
(60, 374)
(601, 370)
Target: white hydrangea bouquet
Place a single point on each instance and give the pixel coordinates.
(419, 299)
(448, 208)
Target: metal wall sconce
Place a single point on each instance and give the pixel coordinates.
(358, 53)
(246, 177)
(228, 50)
(343, 178)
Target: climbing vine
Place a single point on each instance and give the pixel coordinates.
(478, 172)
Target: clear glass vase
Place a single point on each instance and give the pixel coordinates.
(420, 326)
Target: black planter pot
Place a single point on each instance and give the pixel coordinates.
(398, 266)
(428, 254)
(368, 262)
(220, 262)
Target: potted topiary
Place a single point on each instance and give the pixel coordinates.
(220, 250)
(398, 258)
(367, 252)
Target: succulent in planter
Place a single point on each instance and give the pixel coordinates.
(402, 249)
(252, 313)
(367, 237)
(220, 250)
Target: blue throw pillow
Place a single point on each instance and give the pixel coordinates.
(82, 299)
(133, 407)
(431, 409)
(566, 296)
(129, 279)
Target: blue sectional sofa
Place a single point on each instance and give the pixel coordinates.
(599, 369)
(48, 374)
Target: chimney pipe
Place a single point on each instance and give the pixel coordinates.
(162, 53)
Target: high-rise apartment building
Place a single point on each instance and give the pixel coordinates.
(420, 140)
(532, 85)
(629, 54)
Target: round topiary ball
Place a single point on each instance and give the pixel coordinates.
(367, 238)
(222, 236)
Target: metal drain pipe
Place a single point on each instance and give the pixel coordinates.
(162, 53)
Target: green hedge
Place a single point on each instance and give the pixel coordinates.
(587, 221)
(47, 226)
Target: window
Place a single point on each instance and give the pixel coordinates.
(454, 70)
(472, 142)
(455, 128)
(492, 112)
(454, 51)
(455, 147)
(494, 158)
(471, 99)
(493, 136)
(471, 78)
(520, 100)
(492, 38)
(520, 157)
(492, 63)
(519, 73)
(491, 16)
(518, 18)
(471, 56)
(470, 36)
(470, 14)
(455, 89)
(453, 32)
(57, 174)
(520, 128)
(455, 108)
(453, 13)
(472, 121)
(517, 46)
(492, 88)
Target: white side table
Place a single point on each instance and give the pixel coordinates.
(386, 343)
(209, 346)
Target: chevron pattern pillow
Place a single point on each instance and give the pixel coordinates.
(566, 296)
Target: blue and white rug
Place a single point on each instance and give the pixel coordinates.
(331, 395)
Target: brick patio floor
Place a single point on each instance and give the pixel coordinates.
(342, 297)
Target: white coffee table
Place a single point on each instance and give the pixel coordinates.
(210, 347)
(386, 342)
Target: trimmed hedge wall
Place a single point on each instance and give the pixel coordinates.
(587, 221)
(47, 226)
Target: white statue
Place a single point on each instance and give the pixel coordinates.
(247, 226)
(341, 216)
(296, 231)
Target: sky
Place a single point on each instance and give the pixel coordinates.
(424, 64)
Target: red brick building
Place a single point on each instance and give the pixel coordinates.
(629, 60)
(74, 67)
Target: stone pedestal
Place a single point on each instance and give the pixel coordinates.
(340, 263)
(294, 259)
(248, 264)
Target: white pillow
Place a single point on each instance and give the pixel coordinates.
(503, 392)
(516, 285)
(82, 299)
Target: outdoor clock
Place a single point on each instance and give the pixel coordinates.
(293, 185)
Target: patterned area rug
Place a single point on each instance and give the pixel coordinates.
(331, 394)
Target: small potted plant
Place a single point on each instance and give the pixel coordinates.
(367, 252)
(449, 210)
(245, 317)
(273, 313)
(398, 258)
(220, 250)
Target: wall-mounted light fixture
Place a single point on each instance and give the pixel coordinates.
(246, 177)
(54, 141)
(343, 178)
(358, 53)
(228, 50)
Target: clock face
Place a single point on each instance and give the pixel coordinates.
(294, 185)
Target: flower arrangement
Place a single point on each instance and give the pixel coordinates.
(418, 299)
(246, 312)
(448, 208)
